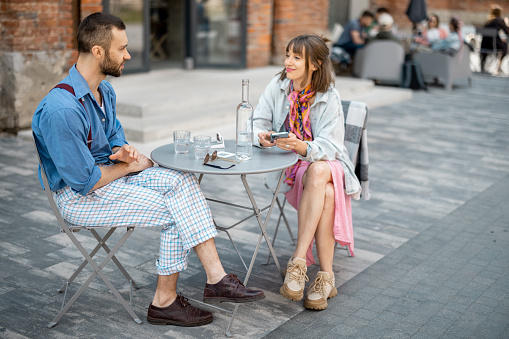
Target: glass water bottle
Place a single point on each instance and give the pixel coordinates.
(244, 137)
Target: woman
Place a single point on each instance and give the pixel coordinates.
(433, 33)
(495, 21)
(303, 101)
(453, 42)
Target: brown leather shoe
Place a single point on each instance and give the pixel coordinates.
(230, 289)
(179, 313)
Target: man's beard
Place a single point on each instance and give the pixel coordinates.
(108, 66)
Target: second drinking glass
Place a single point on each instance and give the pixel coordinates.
(201, 146)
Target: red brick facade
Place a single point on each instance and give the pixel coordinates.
(259, 33)
(36, 49)
(296, 17)
(272, 23)
(38, 25)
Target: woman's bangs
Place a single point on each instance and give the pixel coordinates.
(297, 46)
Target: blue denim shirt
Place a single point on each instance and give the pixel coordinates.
(61, 127)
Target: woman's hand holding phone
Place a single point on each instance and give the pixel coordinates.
(287, 144)
(264, 138)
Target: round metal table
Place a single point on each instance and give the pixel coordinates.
(264, 160)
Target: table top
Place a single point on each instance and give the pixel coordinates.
(263, 160)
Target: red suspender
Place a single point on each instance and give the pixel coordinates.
(69, 89)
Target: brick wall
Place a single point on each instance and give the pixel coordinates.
(259, 33)
(36, 50)
(296, 17)
(472, 12)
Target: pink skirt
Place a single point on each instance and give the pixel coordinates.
(342, 228)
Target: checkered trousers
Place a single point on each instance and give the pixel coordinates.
(155, 197)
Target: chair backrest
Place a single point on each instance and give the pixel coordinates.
(380, 60)
(356, 116)
(490, 34)
(461, 64)
(64, 224)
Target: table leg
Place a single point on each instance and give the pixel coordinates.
(263, 226)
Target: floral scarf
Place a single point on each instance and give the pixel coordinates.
(298, 119)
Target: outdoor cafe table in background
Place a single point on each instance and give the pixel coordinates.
(263, 161)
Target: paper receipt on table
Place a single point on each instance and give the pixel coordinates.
(224, 154)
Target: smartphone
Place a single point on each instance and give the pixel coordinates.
(275, 136)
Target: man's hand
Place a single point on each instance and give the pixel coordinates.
(126, 153)
(264, 138)
(141, 164)
(115, 171)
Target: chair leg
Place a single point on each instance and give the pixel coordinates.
(97, 271)
(282, 209)
(85, 262)
(115, 260)
(281, 216)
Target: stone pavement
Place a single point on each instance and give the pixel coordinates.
(431, 246)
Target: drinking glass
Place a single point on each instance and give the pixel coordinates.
(181, 141)
(201, 146)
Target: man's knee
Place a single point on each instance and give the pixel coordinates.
(184, 177)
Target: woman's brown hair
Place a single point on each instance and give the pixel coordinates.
(316, 52)
(495, 12)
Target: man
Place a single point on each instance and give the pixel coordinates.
(373, 29)
(354, 35)
(385, 22)
(100, 180)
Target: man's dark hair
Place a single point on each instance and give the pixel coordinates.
(95, 30)
(367, 14)
(381, 10)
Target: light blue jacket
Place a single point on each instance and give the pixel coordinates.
(327, 125)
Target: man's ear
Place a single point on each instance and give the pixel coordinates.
(98, 52)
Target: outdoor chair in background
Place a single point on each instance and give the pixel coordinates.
(489, 36)
(356, 119)
(446, 68)
(380, 60)
(69, 230)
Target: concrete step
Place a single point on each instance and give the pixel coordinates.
(198, 116)
(224, 120)
(151, 105)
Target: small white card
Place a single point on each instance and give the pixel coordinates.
(224, 154)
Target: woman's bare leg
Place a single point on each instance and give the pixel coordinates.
(311, 206)
(324, 235)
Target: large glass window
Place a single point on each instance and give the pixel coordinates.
(219, 33)
(134, 14)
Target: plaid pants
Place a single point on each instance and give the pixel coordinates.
(154, 197)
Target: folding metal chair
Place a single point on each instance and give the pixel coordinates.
(69, 230)
(356, 118)
(490, 35)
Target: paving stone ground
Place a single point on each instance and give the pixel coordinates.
(431, 246)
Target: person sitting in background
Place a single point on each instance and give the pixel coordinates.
(433, 33)
(374, 28)
(454, 40)
(385, 22)
(495, 21)
(354, 35)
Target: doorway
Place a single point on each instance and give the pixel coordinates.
(167, 36)
(183, 33)
(218, 33)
